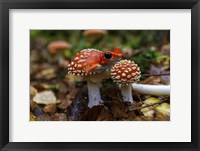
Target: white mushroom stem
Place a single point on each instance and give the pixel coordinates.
(126, 91)
(94, 93)
(151, 89)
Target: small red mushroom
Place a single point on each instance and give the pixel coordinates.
(125, 72)
(92, 64)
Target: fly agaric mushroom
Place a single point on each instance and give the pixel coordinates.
(54, 46)
(125, 72)
(87, 63)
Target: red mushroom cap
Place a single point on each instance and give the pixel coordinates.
(125, 72)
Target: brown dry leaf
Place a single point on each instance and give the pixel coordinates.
(34, 56)
(66, 100)
(50, 108)
(39, 86)
(45, 86)
(161, 117)
(34, 69)
(59, 117)
(33, 91)
(64, 104)
(92, 114)
(143, 118)
(154, 80)
(135, 105)
(105, 115)
(33, 105)
(119, 110)
(43, 117)
(45, 71)
(48, 74)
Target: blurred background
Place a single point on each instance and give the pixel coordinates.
(52, 92)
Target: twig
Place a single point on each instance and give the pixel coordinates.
(139, 108)
(147, 75)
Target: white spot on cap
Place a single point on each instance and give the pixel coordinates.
(79, 65)
(129, 69)
(123, 74)
(82, 60)
(117, 77)
(133, 74)
(113, 73)
(76, 58)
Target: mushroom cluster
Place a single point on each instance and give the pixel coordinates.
(124, 73)
(93, 64)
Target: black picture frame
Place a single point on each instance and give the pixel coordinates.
(5, 5)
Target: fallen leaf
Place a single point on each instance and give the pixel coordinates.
(45, 97)
(32, 117)
(33, 91)
(163, 108)
(92, 114)
(59, 117)
(43, 117)
(105, 115)
(50, 108)
(149, 111)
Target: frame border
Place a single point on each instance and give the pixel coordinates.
(5, 5)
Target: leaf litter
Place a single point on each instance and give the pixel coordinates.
(55, 96)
